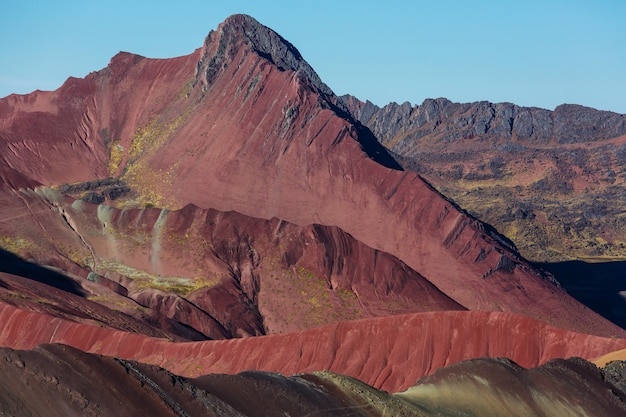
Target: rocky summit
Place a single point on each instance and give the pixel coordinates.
(166, 220)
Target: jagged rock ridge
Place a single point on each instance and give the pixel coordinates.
(401, 126)
(262, 40)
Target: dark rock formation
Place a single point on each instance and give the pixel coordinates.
(449, 121)
(615, 373)
(240, 29)
(57, 380)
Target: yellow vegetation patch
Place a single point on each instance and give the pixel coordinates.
(116, 155)
(186, 90)
(118, 303)
(16, 245)
(154, 187)
(182, 286)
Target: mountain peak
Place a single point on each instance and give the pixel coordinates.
(241, 29)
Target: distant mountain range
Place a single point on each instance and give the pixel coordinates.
(551, 181)
(158, 205)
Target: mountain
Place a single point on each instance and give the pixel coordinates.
(552, 181)
(158, 205)
(389, 353)
(243, 124)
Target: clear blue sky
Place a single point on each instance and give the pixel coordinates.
(532, 53)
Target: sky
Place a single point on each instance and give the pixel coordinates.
(531, 53)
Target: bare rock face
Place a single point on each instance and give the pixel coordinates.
(615, 373)
(243, 29)
(451, 122)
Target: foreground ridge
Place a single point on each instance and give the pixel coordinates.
(389, 353)
(62, 380)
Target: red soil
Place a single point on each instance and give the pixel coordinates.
(390, 353)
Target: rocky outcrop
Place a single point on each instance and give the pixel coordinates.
(97, 191)
(615, 373)
(221, 46)
(402, 126)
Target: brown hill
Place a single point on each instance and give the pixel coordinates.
(221, 275)
(55, 380)
(244, 124)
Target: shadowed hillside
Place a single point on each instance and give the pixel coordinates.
(63, 381)
(601, 285)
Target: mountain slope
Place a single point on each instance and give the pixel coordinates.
(552, 181)
(220, 274)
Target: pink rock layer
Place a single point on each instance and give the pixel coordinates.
(389, 353)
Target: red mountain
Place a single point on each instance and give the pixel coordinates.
(224, 194)
(244, 124)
